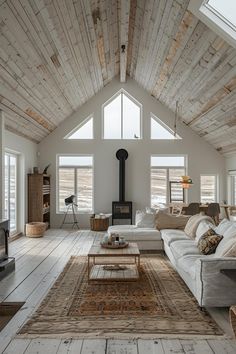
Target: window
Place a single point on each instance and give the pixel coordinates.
(160, 130)
(75, 176)
(10, 208)
(122, 117)
(208, 188)
(163, 170)
(225, 10)
(83, 131)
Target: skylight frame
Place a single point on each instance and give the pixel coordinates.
(215, 21)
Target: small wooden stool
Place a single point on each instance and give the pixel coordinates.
(232, 317)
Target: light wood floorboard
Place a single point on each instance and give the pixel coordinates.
(38, 263)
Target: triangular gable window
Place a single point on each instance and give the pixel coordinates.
(161, 131)
(83, 130)
(122, 117)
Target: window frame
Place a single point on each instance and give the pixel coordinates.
(10, 153)
(165, 126)
(185, 167)
(80, 125)
(216, 186)
(58, 211)
(123, 92)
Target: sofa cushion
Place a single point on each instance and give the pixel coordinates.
(183, 248)
(169, 235)
(144, 220)
(226, 247)
(133, 233)
(231, 249)
(169, 221)
(192, 224)
(203, 227)
(228, 241)
(223, 226)
(209, 242)
(187, 264)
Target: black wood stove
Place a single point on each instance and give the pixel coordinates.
(122, 209)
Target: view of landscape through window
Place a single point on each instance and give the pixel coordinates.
(161, 175)
(75, 177)
(208, 189)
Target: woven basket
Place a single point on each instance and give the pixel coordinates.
(35, 229)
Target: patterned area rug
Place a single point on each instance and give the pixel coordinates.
(159, 304)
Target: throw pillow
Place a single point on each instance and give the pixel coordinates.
(209, 242)
(193, 222)
(144, 219)
(169, 221)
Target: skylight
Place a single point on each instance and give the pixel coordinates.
(161, 131)
(83, 131)
(226, 9)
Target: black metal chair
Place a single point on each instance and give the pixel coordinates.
(213, 210)
(192, 209)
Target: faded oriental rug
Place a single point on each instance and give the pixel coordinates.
(159, 304)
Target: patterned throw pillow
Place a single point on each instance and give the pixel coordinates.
(209, 242)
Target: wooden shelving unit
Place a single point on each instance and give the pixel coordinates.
(39, 198)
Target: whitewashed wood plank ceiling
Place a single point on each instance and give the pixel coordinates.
(57, 54)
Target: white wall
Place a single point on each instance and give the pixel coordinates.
(27, 152)
(202, 158)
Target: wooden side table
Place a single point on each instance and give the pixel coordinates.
(232, 316)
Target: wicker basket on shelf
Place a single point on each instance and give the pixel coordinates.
(35, 229)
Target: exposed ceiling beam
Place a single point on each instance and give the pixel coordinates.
(124, 32)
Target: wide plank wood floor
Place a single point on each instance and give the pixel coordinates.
(38, 264)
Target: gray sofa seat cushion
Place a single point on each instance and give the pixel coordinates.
(183, 248)
(134, 233)
(188, 263)
(169, 236)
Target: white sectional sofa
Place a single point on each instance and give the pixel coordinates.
(148, 238)
(204, 274)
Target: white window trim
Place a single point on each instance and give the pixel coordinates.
(18, 188)
(215, 22)
(80, 125)
(134, 101)
(216, 186)
(165, 126)
(167, 167)
(57, 183)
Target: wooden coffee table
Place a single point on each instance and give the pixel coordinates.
(127, 259)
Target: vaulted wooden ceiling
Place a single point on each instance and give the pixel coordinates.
(56, 54)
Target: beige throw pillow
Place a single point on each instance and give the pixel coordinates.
(169, 221)
(192, 224)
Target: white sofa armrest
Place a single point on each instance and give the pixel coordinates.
(214, 287)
